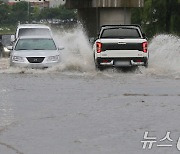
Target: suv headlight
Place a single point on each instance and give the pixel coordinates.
(53, 58)
(17, 59)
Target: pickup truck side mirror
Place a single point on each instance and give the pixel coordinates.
(98, 35)
(92, 40)
(144, 35)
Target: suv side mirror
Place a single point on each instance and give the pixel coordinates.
(9, 47)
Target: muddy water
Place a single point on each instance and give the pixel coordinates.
(77, 57)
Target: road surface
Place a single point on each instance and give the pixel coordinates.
(81, 113)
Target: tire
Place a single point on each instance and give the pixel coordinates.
(99, 67)
(146, 64)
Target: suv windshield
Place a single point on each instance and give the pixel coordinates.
(120, 33)
(35, 44)
(34, 32)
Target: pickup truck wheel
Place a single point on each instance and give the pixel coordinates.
(146, 64)
(99, 67)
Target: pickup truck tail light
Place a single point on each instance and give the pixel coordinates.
(98, 47)
(145, 45)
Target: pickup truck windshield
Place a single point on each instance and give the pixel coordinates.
(121, 33)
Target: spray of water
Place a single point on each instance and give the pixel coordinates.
(164, 56)
(78, 56)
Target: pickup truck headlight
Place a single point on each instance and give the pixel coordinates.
(53, 58)
(17, 59)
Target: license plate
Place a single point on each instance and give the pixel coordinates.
(122, 63)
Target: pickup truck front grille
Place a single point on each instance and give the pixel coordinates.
(116, 46)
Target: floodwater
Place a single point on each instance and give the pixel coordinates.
(77, 57)
(74, 109)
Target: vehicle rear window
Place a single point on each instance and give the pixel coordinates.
(34, 32)
(120, 33)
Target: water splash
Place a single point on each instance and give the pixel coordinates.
(164, 56)
(77, 57)
(78, 54)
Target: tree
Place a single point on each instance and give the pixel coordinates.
(57, 13)
(4, 13)
(20, 12)
(35, 13)
(158, 16)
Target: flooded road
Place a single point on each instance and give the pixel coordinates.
(65, 113)
(74, 109)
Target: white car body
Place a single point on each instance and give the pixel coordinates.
(35, 58)
(120, 52)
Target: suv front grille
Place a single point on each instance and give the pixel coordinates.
(35, 59)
